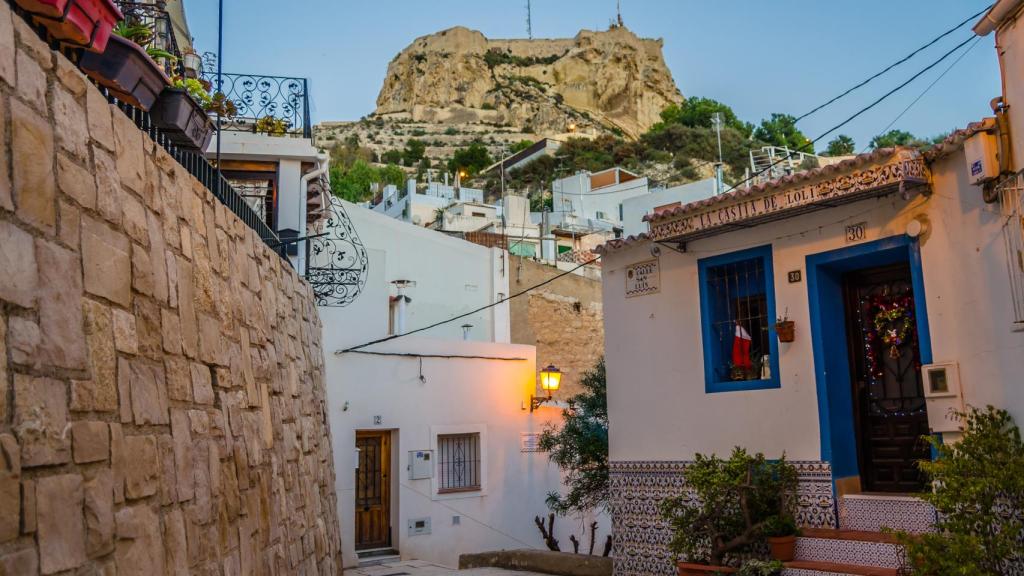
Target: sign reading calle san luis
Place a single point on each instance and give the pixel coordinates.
(905, 166)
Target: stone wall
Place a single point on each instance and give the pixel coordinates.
(563, 319)
(162, 402)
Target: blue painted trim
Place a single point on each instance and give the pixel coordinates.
(831, 362)
(711, 384)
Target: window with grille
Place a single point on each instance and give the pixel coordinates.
(1011, 199)
(737, 301)
(458, 462)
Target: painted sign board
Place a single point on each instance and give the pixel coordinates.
(643, 278)
(794, 199)
(529, 442)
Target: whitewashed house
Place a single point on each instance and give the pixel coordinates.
(901, 273)
(432, 433)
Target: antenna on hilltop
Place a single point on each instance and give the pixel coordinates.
(618, 11)
(529, 21)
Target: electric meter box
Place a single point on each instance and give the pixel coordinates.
(421, 464)
(943, 396)
(982, 153)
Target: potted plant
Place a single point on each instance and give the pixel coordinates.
(83, 23)
(781, 531)
(183, 112)
(785, 329)
(127, 69)
(272, 126)
(725, 512)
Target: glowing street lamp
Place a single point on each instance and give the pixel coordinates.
(550, 379)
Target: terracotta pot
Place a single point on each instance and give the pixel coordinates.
(786, 330)
(688, 569)
(182, 119)
(125, 69)
(84, 23)
(783, 547)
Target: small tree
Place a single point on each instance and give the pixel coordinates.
(733, 502)
(580, 447)
(841, 145)
(978, 491)
(781, 130)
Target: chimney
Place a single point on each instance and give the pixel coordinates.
(400, 286)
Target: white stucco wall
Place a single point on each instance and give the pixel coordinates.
(452, 277)
(458, 395)
(574, 194)
(634, 209)
(657, 405)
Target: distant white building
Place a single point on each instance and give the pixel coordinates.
(634, 209)
(596, 196)
(423, 209)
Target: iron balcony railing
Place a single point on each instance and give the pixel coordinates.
(198, 166)
(274, 105)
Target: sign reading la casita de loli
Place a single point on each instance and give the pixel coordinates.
(905, 166)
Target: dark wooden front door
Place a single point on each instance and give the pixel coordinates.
(373, 490)
(889, 405)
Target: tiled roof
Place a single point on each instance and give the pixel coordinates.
(619, 243)
(956, 139)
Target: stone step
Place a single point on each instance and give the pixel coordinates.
(811, 568)
(849, 547)
(378, 557)
(872, 512)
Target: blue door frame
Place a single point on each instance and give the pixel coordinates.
(828, 336)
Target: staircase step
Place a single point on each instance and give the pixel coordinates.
(849, 547)
(378, 557)
(813, 568)
(872, 512)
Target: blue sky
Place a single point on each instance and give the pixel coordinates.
(758, 56)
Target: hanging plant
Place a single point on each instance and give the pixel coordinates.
(202, 92)
(272, 126)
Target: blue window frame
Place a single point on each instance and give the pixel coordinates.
(737, 317)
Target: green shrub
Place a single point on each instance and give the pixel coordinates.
(978, 491)
(732, 503)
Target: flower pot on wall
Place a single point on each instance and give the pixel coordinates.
(183, 120)
(84, 23)
(125, 69)
(786, 329)
(689, 569)
(783, 547)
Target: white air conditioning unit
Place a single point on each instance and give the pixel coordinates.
(982, 153)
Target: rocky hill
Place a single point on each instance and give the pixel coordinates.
(611, 81)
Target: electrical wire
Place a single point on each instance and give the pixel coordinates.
(810, 143)
(442, 356)
(925, 91)
(897, 63)
(471, 312)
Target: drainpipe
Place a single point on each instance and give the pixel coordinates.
(323, 161)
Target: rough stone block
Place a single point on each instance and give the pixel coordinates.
(171, 328)
(141, 467)
(168, 473)
(125, 337)
(202, 384)
(31, 80)
(60, 316)
(180, 431)
(140, 549)
(40, 420)
(157, 256)
(98, 110)
(7, 48)
(69, 226)
(99, 513)
(10, 487)
(3, 366)
(130, 156)
(33, 45)
(210, 340)
(24, 561)
(6, 199)
(187, 310)
(76, 182)
(70, 116)
(100, 393)
(32, 154)
(179, 378)
(142, 272)
(18, 261)
(61, 522)
(90, 441)
(24, 339)
(71, 77)
(148, 391)
(118, 459)
(134, 218)
(175, 543)
(105, 259)
(108, 186)
(147, 322)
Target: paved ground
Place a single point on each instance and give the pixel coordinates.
(420, 568)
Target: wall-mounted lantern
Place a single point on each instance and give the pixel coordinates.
(550, 378)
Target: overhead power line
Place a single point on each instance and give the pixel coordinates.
(471, 312)
(930, 43)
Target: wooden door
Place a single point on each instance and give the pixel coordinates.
(373, 490)
(889, 406)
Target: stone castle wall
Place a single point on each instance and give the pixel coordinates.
(162, 401)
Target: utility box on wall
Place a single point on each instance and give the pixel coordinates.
(982, 153)
(943, 396)
(421, 464)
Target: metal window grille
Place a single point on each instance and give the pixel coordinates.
(1011, 199)
(738, 292)
(458, 462)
